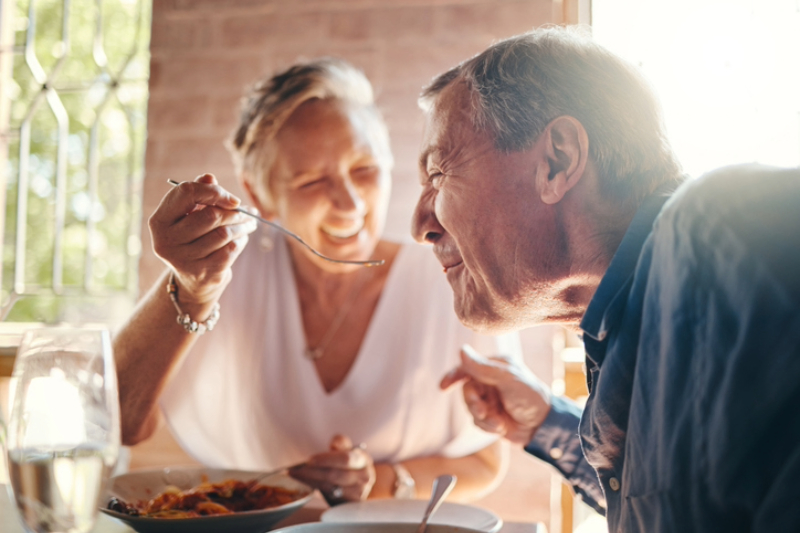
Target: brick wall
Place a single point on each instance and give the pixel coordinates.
(205, 52)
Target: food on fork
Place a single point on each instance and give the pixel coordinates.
(206, 499)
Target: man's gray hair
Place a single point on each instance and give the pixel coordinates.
(271, 101)
(520, 84)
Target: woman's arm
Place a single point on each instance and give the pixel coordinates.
(198, 235)
(478, 474)
(350, 470)
(146, 349)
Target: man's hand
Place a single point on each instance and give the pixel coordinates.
(502, 394)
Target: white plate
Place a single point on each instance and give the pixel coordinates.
(145, 484)
(451, 514)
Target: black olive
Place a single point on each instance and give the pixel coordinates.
(115, 504)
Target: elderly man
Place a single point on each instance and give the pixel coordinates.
(550, 194)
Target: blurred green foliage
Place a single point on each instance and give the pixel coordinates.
(99, 74)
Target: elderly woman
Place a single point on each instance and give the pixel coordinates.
(307, 356)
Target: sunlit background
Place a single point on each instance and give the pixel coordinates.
(728, 76)
(727, 73)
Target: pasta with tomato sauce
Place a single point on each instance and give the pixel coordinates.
(207, 499)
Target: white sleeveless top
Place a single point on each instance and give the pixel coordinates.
(246, 397)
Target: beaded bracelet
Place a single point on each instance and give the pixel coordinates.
(183, 318)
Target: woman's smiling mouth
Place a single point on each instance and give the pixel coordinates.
(344, 233)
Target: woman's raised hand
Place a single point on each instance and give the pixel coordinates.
(197, 233)
(345, 473)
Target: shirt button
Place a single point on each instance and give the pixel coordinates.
(614, 484)
(556, 453)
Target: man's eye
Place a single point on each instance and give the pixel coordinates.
(436, 178)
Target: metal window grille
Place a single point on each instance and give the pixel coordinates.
(73, 97)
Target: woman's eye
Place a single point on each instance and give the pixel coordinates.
(366, 173)
(311, 183)
(435, 179)
(365, 169)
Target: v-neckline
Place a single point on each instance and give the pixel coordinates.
(376, 315)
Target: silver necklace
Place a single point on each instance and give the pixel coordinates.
(315, 353)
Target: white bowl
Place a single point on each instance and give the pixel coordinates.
(391, 510)
(366, 527)
(145, 484)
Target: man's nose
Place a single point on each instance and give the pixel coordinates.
(425, 227)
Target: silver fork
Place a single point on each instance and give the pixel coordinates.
(370, 263)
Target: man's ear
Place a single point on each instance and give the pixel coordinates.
(567, 151)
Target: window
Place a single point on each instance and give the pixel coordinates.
(73, 99)
(727, 73)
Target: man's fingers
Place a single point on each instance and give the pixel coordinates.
(493, 424)
(480, 368)
(490, 370)
(453, 377)
(474, 398)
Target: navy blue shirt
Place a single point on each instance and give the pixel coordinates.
(693, 364)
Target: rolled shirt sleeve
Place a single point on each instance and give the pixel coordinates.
(556, 442)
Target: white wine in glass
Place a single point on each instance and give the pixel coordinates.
(63, 431)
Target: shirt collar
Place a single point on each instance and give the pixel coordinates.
(595, 321)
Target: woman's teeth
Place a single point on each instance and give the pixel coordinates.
(345, 233)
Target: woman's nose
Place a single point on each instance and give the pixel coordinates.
(347, 197)
(425, 227)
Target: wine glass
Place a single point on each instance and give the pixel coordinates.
(63, 430)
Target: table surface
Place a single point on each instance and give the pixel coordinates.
(311, 512)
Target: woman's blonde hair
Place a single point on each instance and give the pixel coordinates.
(271, 101)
